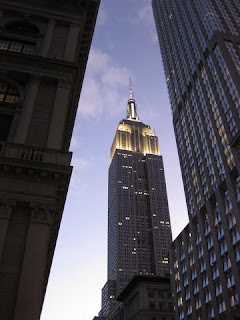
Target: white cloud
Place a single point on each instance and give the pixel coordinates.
(114, 77)
(97, 61)
(102, 16)
(80, 163)
(104, 80)
(80, 167)
(91, 101)
(74, 143)
(145, 15)
(155, 38)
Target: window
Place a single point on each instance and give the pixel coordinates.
(17, 46)
(19, 29)
(5, 125)
(22, 27)
(8, 94)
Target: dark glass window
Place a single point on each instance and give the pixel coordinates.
(8, 94)
(22, 27)
(151, 294)
(5, 125)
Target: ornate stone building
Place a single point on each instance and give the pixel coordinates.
(44, 47)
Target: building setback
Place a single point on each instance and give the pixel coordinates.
(200, 48)
(44, 47)
(139, 232)
(144, 298)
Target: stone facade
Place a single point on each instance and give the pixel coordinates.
(44, 47)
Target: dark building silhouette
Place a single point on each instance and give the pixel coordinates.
(44, 47)
(144, 298)
(139, 232)
(200, 49)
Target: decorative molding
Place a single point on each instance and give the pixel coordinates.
(64, 83)
(30, 153)
(6, 208)
(43, 214)
(74, 26)
(51, 21)
(69, 5)
(36, 78)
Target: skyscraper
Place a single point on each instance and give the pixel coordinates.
(139, 232)
(200, 48)
(44, 46)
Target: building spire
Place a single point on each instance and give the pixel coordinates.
(132, 108)
(130, 88)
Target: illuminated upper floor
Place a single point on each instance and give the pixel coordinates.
(133, 135)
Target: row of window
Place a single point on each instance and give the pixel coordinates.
(8, 94)
(17, 46)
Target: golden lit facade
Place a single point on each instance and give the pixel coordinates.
(135, 136)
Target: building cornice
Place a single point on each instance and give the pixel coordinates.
(137, 279)
(66, 5)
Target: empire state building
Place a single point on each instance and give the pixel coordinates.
(139, 232)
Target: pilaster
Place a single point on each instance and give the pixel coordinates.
(31, 286)
(27, 110)
(72, 42)
(59, 115)
(6, 208)
(48, 38)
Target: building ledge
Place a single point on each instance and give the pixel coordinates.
(35, 154)
(140, 278)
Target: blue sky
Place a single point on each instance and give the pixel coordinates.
(124, 44)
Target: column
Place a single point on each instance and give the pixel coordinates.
(31, 284)
(72, 42)
(47, 38)
(5, 214)
(60, 107)
(27, 111)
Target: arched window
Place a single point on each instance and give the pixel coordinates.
(8, 93)
(17, 46)
(20, 44)
(22, 27)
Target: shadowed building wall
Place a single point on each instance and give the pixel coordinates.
(144, 298)
(44, 47)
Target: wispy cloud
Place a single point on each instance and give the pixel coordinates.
(155, 37)
(102, 16)
(102, 87)
(80, 163)
(74, 142)
(145, 15)
(80, 167)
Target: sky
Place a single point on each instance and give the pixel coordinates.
(124, 45)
